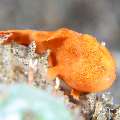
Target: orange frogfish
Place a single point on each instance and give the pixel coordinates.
(83, 63)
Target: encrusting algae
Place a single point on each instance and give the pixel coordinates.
(83, 63)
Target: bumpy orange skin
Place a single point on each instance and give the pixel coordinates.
(83, 63)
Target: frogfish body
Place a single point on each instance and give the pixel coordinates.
(78, 59)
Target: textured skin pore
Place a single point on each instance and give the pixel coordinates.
(83, 63)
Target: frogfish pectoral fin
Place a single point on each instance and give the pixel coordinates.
(75, 94)
(52, 73)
